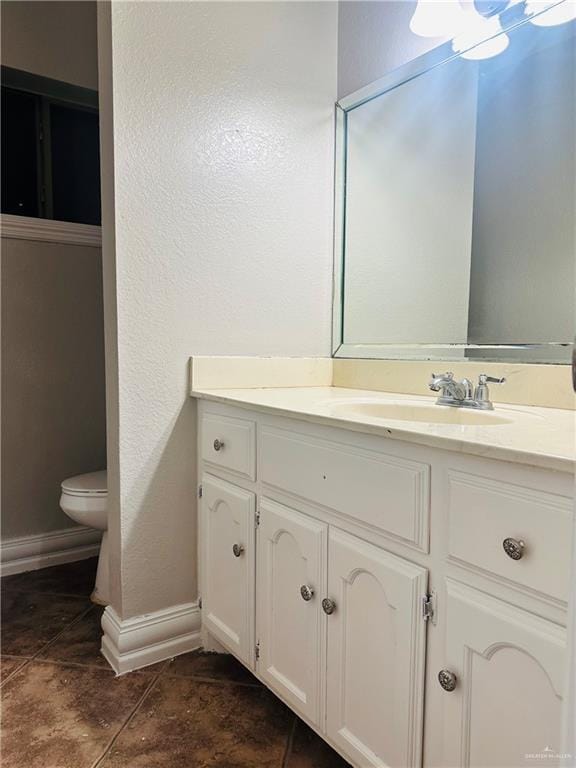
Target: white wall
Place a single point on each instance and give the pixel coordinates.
(110, 299)
(223, 153)
(53, 39)
(374, 38)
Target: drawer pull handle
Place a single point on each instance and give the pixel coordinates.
(237, 549)
(307, 592)
(328, 606)
(447, 679)
(514, 548)
(218, 444)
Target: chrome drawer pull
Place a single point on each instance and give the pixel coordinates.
(514, 548)
(447, 679)
(328, 606)
(218, 444)
(306, 592)
(237, 549)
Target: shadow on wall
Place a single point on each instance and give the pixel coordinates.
(159, 520)
(53, 396)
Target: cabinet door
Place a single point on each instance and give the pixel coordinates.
(227, 550)
(376, 653)
(291, 627)
(509, 665)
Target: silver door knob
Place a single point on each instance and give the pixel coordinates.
(447, 679)
(514, 548)
(237, 549)
(306, 592)
(218, 444)
(328, 606)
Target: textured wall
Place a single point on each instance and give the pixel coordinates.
(223, 149)
(374, 38)
(110, 299)
(53, 404)
(53, 39)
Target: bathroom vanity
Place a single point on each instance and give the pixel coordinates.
(397, 571)
(402, 588)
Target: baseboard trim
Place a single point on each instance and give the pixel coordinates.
(29, 553)
(130, 644)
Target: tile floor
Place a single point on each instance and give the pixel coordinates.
(62, 707)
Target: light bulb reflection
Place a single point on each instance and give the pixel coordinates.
(437, 18)
(476, 29)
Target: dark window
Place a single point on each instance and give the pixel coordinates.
(50, 149)
(20, 157)
(75, 164)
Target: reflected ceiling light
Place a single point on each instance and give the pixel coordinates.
(437, 18)
(475, 29)
(560, 13)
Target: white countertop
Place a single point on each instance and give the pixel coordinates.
(542, 437)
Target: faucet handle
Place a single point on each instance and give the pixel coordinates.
(484, 379)
(447, 375)
(482, 394)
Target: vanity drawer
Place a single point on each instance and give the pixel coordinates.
(229, 443)
(385, 492)
(484, 513)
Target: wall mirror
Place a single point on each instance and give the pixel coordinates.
(455, 205)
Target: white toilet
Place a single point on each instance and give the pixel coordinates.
(85, 499)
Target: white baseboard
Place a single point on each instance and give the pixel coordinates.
(134, 643)
(29, 553)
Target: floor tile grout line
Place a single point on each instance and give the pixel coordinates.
(56, 637)
(65, 663)
(289, 743)
(59, 634)
(14, 672)
(99, 760)
(47, 645)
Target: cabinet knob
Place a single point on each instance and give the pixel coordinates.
(218, 444)
(447, 679)
(514, 548)
(306, 592)
(328, 606)
(237, 549)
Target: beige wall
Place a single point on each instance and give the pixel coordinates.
(53, 402)
(53, 405)
(53, 39)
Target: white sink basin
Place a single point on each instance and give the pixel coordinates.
(431, 414)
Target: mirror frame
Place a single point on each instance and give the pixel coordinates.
(549, 352)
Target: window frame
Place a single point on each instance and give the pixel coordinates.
(48, 92)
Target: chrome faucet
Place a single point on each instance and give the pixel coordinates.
(461, 394)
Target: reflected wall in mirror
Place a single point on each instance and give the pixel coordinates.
(456, 206)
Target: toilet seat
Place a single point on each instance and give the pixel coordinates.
(91, 484)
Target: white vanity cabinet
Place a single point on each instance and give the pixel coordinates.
(508, 667)
(366, 582)
(376, 653)
(290, 627)
(228, 551)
